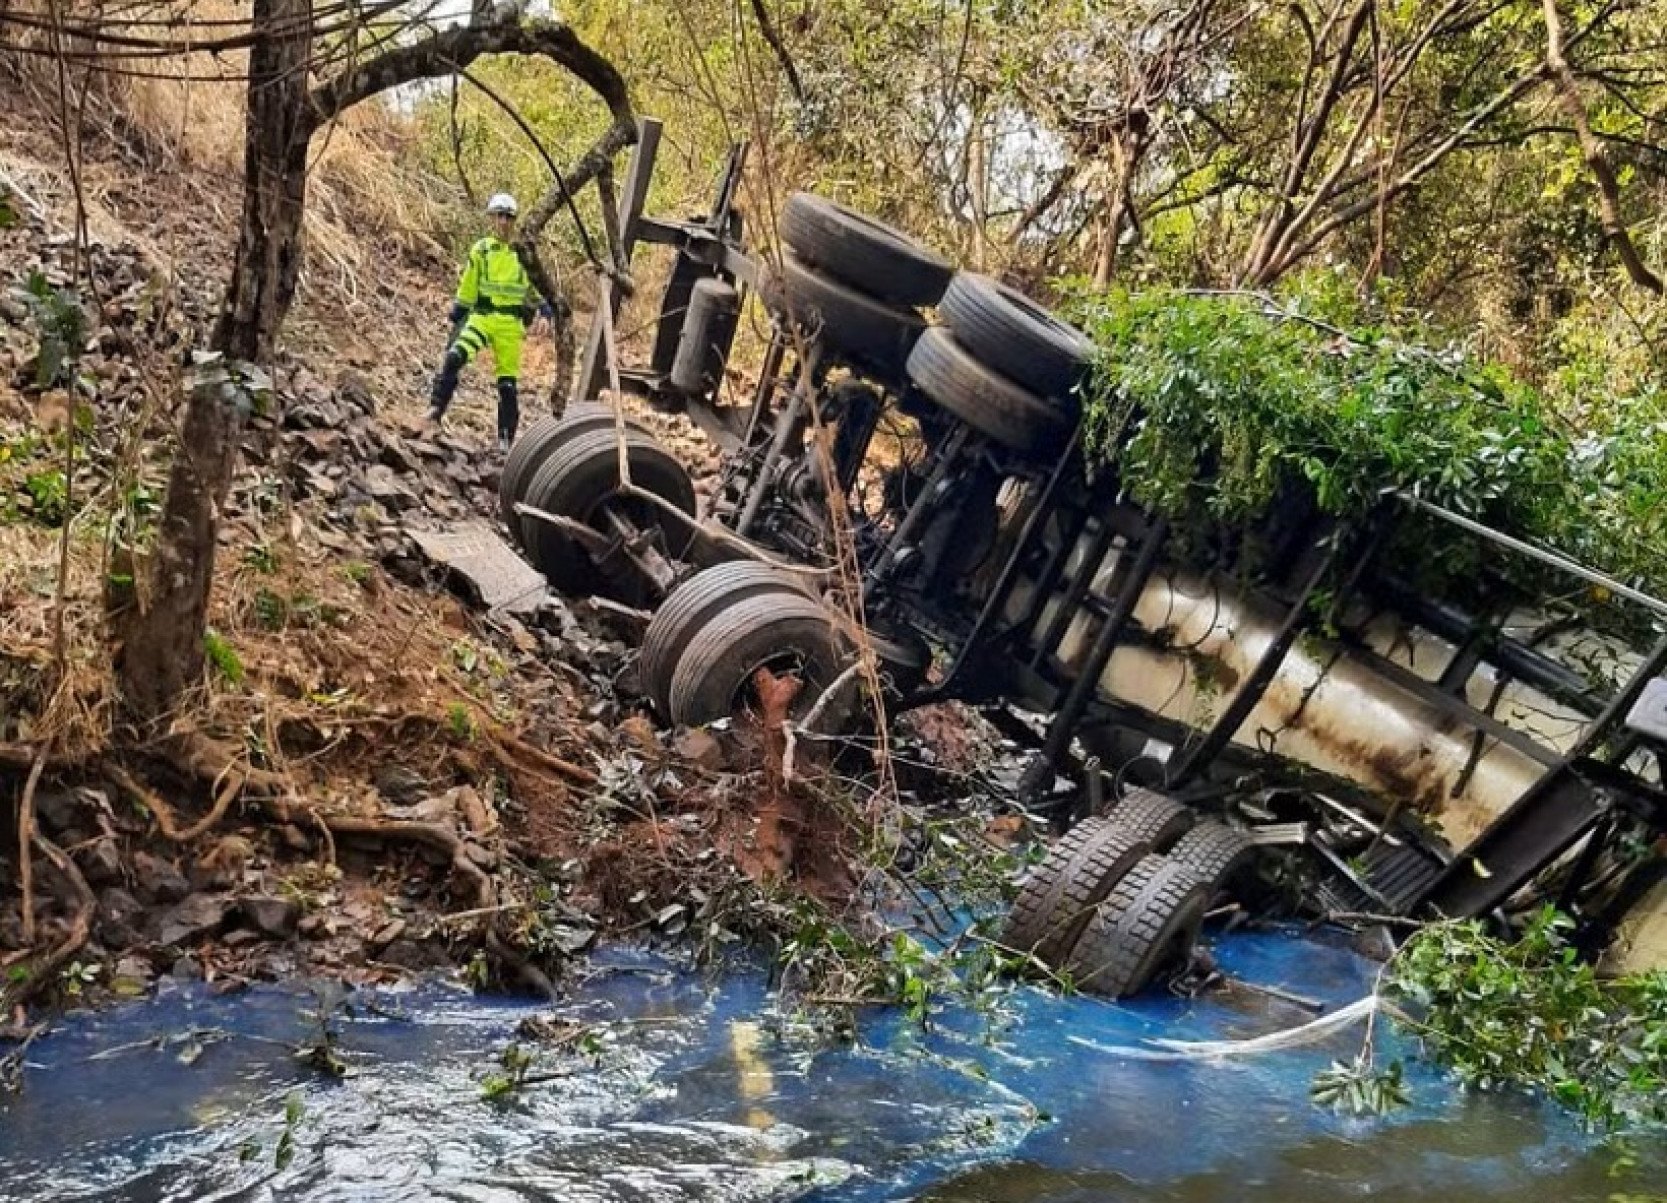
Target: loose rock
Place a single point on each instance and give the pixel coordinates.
(700, 747)
(101, 862)
(399, 784)
(118, 918)
(156, 880)
(197, 916)
(276, 917)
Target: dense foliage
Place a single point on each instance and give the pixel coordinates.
(1530, 1013)
(1219, 408)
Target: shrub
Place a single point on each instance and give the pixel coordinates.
(1219, 410)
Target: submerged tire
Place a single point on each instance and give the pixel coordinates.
(1149, 920)
(536, 444)
(1027, 921)
(1048, 918)
(1157, 817)
(574, 482)
(713, 678)
(1216, 852)
(870, 256)
(1005, 329)
(983, 398)
(691, 606)
(854, 327)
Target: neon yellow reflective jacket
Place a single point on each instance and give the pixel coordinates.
(495, 280)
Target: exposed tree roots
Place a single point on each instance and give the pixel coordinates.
(275, 796)
(42, 972)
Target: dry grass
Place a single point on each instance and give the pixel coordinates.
(322, 667)
(163, 170)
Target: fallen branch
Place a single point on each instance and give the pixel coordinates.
(1215, 1050)
(791, 730)
(36, 209)
(510, 746)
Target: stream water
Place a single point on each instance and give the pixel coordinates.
(698, 1091)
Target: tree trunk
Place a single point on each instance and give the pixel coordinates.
(1609, 187)
(162, 652)
(1117, 212)
(161, 656)
(978, 192)
(278, 129)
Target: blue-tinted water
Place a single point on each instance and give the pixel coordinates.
(698, 1091)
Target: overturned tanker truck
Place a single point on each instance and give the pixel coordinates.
(1414, 758)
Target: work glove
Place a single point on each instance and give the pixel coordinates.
(459, 315)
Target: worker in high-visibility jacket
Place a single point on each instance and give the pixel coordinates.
(495, 302)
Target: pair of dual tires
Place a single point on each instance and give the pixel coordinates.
(705, 645)
(569, 466)
(1002, 364)
(1120, 898)
(855, 282)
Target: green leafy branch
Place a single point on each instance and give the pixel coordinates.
(1226, 412)
(1522, 1013)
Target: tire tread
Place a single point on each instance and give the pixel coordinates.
(1156, 903)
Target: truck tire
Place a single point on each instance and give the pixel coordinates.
(1005, 329)
(713, 678)
(869, 255)
(1027, 921)
(983, 398)
(855, 328)
(1216, 852)
(688, 608)
(1159, 818)
(1056, 918)
(574, 481)
(537, 441)
(1149, 920)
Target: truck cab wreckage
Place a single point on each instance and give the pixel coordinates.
(1423, 759)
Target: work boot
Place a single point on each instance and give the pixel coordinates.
(445, 386)
(509, 409)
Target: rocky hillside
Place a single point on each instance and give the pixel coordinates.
(378, 775)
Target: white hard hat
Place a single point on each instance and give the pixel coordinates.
(502, 202)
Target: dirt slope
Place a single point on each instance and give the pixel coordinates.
(393, 780)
